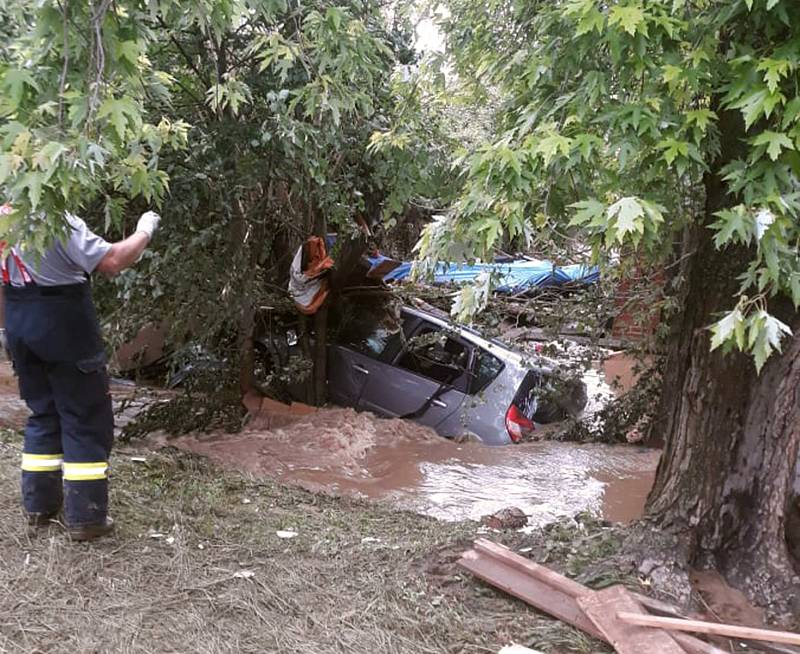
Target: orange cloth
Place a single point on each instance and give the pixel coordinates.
(307, 286)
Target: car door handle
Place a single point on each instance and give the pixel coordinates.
(440, 404)
(361, 369)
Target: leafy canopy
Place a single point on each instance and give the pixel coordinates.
(609, 121)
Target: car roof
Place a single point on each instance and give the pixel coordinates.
(499, 349)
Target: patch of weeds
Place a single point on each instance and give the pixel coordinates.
(554, 636)
(8, 436)
(627, 418)
(583, 547)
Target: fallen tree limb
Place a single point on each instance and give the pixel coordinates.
(711, 628)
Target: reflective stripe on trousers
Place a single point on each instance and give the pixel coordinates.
(42, 462)
(85, 471)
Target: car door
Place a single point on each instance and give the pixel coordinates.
(351, 363)
(419, 381)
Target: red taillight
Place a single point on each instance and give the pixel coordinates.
(517, 424)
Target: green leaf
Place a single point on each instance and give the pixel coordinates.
(776, 142)
(629, 214)
(550, 146)
(736, 221)
(790, 112)
(119, 112)
(765, 333)
(758, 103)
(673, 149)
(630, 18)
(794, 286)
(724, 329)
(587, 211)
(33, 182)
(15, 82)
(672, 73)
(589, 17)
(48, 155)
(701, 118)
(334, 17)
(774, 71)
(9, 164)
(128, 51)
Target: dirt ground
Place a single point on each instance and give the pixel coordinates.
(208, 559)
(196, 565)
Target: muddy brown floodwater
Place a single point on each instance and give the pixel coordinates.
(340, 451)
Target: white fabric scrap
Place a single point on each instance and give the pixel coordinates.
(302, 288)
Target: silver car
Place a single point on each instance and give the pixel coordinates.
(450, 378)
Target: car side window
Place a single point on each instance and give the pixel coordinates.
(375, 342)
(537, 398)
(433, 354)
(487, 367)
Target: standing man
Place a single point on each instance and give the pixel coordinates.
(54, 341)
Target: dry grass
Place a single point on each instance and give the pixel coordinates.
(191, 589)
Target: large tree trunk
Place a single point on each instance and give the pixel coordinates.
(731, 435)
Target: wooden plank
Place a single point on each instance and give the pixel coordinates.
(524, 565)
(572, 589)
(712, 628)
(603, 606)
(657, 607)
(695, 645)
(565, 588)
(529, 589)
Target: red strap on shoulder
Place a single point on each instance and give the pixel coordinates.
(4, 264)
(6, 209)
(21, 267)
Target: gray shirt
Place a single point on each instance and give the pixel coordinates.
(66, 262)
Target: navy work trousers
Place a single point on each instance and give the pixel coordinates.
(55, 345)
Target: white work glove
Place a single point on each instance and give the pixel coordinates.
(148, 223)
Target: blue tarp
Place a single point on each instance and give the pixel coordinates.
(513, 277)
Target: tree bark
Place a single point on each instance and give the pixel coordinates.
(731, 436)
(321, 328)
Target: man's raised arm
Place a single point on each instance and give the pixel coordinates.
(123, 254)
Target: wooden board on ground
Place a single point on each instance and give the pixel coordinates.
(530, 590)
(551, 592)
(635, 618)
(528, 567)
(602, 608)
